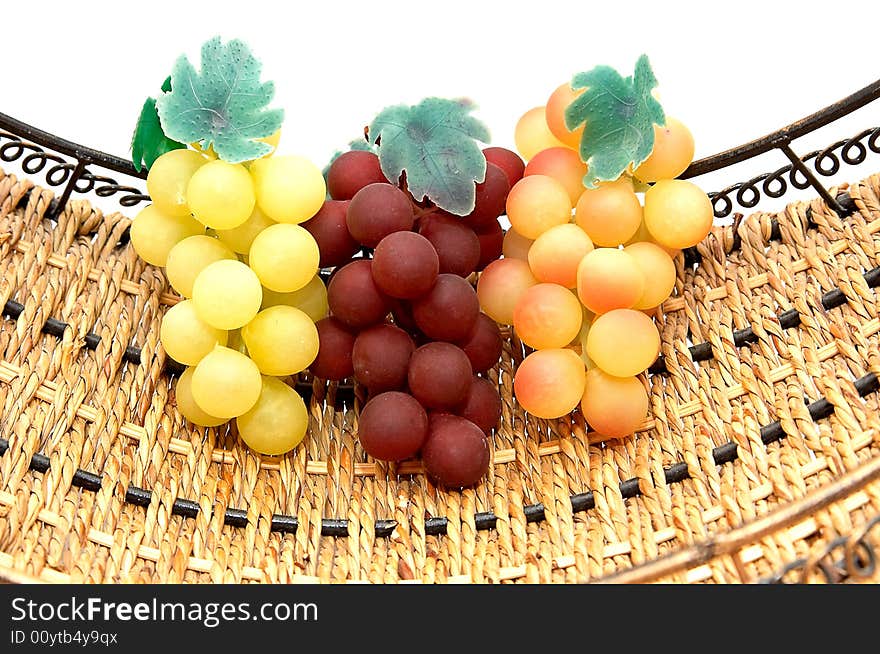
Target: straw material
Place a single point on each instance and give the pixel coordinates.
(742, 473)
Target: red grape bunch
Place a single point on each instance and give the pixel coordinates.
(405, 321)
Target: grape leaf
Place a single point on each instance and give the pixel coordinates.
(223, 105)
(148, 142)
(619, 115)
(435, 144)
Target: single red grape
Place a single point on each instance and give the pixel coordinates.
(392, 426)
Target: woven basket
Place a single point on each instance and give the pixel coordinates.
(760, 460)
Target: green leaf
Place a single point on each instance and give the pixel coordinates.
(149, 142)
(619, 114)
(223, 105)
(435, 144)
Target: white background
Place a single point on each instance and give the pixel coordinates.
(732, 72)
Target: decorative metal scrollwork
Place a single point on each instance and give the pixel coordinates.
(827, 162)
(846, 558)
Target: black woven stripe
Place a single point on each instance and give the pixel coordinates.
(285, 524)
(54, 327)
(186, 508)
(334, 527)
(338, 527)
(87, 480)
(12, 309)
(384, 528)
(235, 518)
(345, 392)
(787, 319)
(138, 496)
(39, 463)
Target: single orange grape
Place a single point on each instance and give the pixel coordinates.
(673, 152)
(607, 279)
(609, 214)
(547, 316)
(515, 245)
(678, 214)
(555, 255)
(623, 342)
(536, 203)
(614, 406)
(562, 164)
(558, 102)
(658, 270)
(531, 134)
(500, 286)
(550, 383)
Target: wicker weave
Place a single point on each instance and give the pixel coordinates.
(101, 480)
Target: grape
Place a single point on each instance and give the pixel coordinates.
(401, 311)
(378, 210)
(491, 198)
(168, 178)
(154, 233)
(482, 406)
(187, 406)
(226, 383)
(189, 257)
(516, 246)
(285, 257)
(405, 265)
(550, 383)
(672, 154)
(330, 231)
(610, 214)
(614, 406)
(532, 134)
(536, 203)
(457, 246)
(456, 452)
(623, 342)
(221, 194)
(547, 316)
(439, 375)
(354, 297)
(352, 171)
(185, 337)
(449, 310)
(677, 213)
(281, 340)
(608, 278)
(381, 356)
(392, 426)
(491, 244)
(483, 345)
(501, 285)
(278, 421)
(555, 255)
(334, 354)
(290, 189)
(240, 238)
(508, 161)
(559, 100)
(562, 164)
(227, 294)
(642, 235)
(311, 298)
(658, 271)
